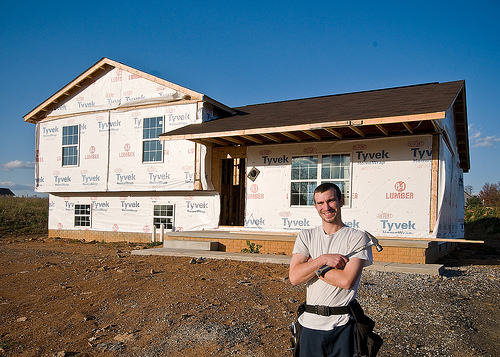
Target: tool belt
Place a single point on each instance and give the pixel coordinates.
(368, 343)
(327, 310)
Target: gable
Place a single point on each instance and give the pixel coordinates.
(108, 85)
(117, 88)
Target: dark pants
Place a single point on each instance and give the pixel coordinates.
(338, 342)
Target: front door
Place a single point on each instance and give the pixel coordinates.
(232, 192)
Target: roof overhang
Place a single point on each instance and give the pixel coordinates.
(225, 132)
(344, 130)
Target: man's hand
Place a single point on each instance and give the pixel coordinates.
(303, 268)
(337, 261)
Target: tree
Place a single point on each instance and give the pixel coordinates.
(490, 194)
(473, 202)
(468, 189)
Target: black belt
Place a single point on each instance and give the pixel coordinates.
(328, 310)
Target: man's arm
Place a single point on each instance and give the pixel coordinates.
(347, 277)
(303, 268)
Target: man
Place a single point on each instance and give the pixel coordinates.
(327, 244)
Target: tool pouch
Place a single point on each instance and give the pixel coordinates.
(368, 342)
(295, 327)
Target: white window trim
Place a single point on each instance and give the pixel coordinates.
(157, 139)
(65, 146)
(172, 216)
(83, 215)
(318, 178)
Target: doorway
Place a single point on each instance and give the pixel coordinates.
(232, 192)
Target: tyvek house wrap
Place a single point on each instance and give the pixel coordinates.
(134, 213)
(117, 89)
(111, 176)
(110, 141)
(390, 187)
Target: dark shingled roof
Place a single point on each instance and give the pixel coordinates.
(6, 192)
(411, 110)
(419, 99)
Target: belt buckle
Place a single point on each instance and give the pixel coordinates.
(322, 310)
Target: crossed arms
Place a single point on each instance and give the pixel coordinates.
(344, 276)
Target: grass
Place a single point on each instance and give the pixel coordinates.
(482, 223)
(24, 215)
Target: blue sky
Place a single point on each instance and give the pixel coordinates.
(247, 52)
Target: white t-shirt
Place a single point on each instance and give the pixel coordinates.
(313, 243)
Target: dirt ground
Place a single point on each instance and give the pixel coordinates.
(67, 298)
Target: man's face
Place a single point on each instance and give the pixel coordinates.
(328, 206)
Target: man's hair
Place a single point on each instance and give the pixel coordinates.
(326, 186)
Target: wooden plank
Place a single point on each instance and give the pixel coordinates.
(251, 138)
(197, 168)
(292, 136)
(408, 127)
(333, 132)
(286, 130)
(272, 137)
(234, 140)
(382, 129)
(217, 141)
(357, 130)
(434, 183)
(311, 134)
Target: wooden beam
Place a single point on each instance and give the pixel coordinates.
(251, 138)
(234, 140)
(436, 126)
(292, 136)
(334, 132)
(408, 127)
(271, 137)
(202, 142)
(357, 130)
(216, 141)
(434, 182)
(311, 134)
(287, 130)
(382, 129)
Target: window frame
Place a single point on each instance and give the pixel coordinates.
(159, 219)
(149, 139)
(314, 182)
(71, 145)
(86, 213)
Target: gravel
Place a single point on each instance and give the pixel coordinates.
(420, 315)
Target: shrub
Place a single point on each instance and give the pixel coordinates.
(24, 215)
(482, 223)
(252, 248)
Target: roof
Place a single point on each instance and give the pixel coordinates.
(6, 192)
(410, 110)
(96, 71)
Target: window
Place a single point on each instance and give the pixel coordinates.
(70, 145)
(164, 214)
(310, 171)
(82, 215)
(152, 148)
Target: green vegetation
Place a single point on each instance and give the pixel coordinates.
(252, 248)
(154, 244)
(482, 223)
(24, 215)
